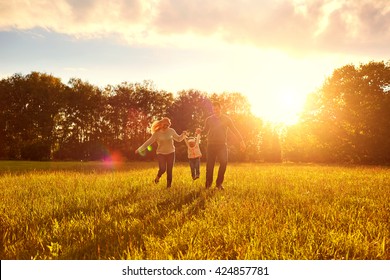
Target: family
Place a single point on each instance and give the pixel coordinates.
(215, 127)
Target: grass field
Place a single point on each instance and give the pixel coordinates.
(283, 211)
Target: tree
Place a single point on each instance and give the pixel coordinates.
(78, 127)
(270, 144)
(28, 116)
(188, 112)
(132, 109)
(350, 114)
(6, 119)
(42, 118)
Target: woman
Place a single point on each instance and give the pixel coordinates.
(164, 135)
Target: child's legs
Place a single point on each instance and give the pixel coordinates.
(193, 167)
(197, 167)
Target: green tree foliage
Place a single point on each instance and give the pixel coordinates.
(189, 110)
(349, 116)
(110, 123)
(346, 120)
(79, 124)
(131, 110)
(29, 107)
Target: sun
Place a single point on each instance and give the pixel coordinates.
(282, 107)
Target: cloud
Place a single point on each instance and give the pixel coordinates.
(81, 18)
(298, 26)
(360, 26)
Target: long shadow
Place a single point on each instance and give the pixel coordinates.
(194, 202)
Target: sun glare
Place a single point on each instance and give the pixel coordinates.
(281, 108)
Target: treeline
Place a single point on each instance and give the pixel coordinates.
(346, 120)
(41, 118)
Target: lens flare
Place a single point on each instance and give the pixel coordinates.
(149, 148)
(113, 159)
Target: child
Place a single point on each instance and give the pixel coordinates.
(194, 154)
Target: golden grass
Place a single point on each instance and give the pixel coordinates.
(281, 211)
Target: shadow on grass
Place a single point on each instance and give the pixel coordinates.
(155, 220)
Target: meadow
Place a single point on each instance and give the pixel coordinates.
(97, 210)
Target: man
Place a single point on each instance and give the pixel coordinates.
(216, 127)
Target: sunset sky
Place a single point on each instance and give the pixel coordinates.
(273, 51)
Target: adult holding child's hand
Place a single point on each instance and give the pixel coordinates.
(164, 135)
(216, 127)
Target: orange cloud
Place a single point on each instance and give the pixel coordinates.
(298, 26)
